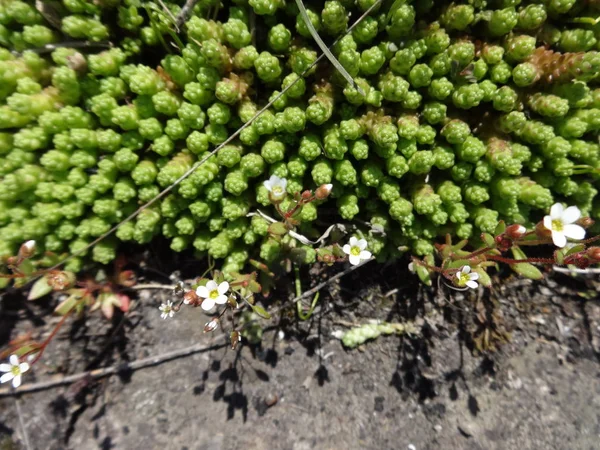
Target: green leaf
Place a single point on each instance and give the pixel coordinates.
(484, 278)
(262, 312)
(458, 264)
(488, 239)
(254, 286)
(39, 289)
(525, 269)
(575, 249)
(72, 301)
(277, 229)
(559, 255)
(423, 275)
(500, 228)
(26, 267)
(4, 281)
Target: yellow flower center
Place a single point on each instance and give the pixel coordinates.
(277, 190)
(463, 278)
(557, 225)
(213, 294)
(355, 251)
(15, 370)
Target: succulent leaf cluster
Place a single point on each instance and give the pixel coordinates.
(463, 114)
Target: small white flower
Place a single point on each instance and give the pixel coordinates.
(276, 186)
(355, 250)
(411, 267)
(561, 222)
(29, 245)
(467, 278)
(213, 294)
(166, 310)
(13, 371)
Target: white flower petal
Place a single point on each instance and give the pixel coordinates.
(5, 367)
(466, 269)
(571, 214)
(556, 211)
(23, 367)
(411, 267)
(559, 239)
(574, 231)
(202, 292)
(521, 229)
(283, 183)
(6, 377)
(346, 248)
(353, 241)
(474, 276)
(365, 254)
(472, 284)
(164, 315)
(221, 300)
(16, 382)
(548, 222)
(458, 274)
(212, 286)
(362, 244)
(354, 260)
(267, 185)
(14, 360)
(171, 313)
(208, 304)
(223, 287)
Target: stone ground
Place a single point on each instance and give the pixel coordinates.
(302, 390)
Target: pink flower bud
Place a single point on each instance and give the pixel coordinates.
(515, 231)
(323, 191)
(191, 298)
(211, 326)
(27, 250)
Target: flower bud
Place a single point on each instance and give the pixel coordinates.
(27, 250)
(515, 231)
(233, 302)
(306, 195)
(542, 232)
(323, 191)
(60, 280)
(578, 260)
(503, 243)
(179, 289)
(191, 298)
(235, 338)
(127, 278)
(211, 326)
(594, 253)
(585, 222)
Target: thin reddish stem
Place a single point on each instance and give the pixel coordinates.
(517, 261)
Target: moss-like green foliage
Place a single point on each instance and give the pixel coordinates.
(441, 134)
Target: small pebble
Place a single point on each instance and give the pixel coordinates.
(271, 399)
